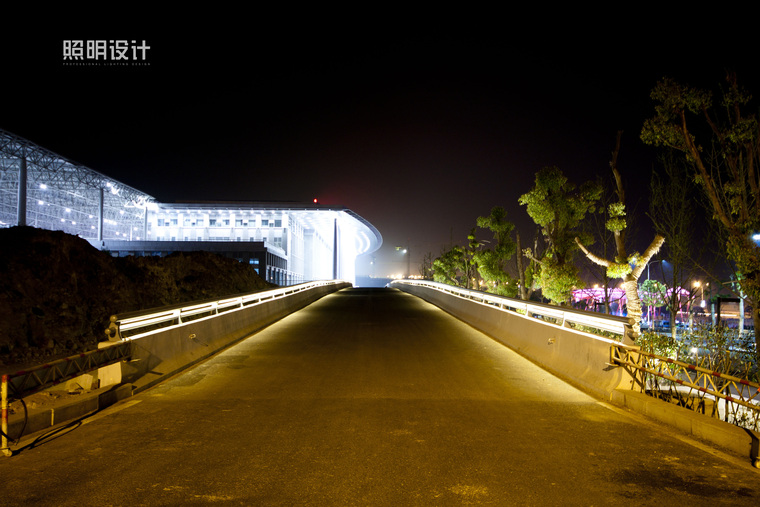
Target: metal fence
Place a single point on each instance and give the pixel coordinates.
(720, 395)
(23, 383)
(726, 397)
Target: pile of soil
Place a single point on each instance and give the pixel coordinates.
(58, 292)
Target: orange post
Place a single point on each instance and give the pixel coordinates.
(4, 445)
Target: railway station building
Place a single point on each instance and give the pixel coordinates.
(287, 243)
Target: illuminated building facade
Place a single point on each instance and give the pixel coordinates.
(287, 243)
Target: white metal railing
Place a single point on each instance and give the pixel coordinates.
(131, 325)
(562, 316)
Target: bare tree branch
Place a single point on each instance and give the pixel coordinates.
(593, 258)
(650, 252)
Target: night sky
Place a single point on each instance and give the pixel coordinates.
(418, 130)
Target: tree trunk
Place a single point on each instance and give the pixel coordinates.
(631, 287)
(521, 269)
(673, 328)
(756, 324)
(606, 294)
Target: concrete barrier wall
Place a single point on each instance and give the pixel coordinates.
(577, 357)
(157, 355)
(583, 360)
(161, 354)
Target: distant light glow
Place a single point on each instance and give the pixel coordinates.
(597, 294)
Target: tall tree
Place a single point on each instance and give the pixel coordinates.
(426, 266)
(492, 262)
(470, 261)
(672, 211)
(653, 294)
(721, 142)
(526, 272)
(625, 266)
(449, 266)
(604, 240)
(558, 207)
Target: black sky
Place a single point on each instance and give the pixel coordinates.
(419, 130)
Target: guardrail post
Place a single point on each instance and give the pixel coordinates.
(628, 336)
(4, 445)
(112, 373)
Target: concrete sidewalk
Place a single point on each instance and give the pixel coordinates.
(741, 442)
(49, 410)
(53, 408)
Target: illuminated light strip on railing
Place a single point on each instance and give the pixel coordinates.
(120, 326)
(612, 324)
(23, 383)
(148, 320)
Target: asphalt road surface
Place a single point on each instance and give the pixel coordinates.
(370, 397)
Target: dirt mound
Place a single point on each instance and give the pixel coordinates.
(57, 292)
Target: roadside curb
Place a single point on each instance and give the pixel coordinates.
(739, 441)
(65, 410)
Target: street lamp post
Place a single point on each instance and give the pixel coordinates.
(701, 288)
(405, 250)
(653, 262)
(697, 285)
